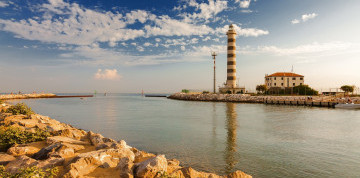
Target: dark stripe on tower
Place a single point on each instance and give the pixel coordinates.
(231, 70)
(231, 47)
(231, 63)
(231, 55)
(231, 39)
(230, 78)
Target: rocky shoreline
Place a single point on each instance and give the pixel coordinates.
(79, 153)
(244, 98)
(26, 96)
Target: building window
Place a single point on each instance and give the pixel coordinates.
(294, 78)
(282, 78)
(282, 84)
(293, 84)
(301, 78)
(300, 83)
(274, 84)
(274, 78)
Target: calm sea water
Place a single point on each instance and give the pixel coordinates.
(261, 140)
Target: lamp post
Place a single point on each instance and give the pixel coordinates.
(213, 54)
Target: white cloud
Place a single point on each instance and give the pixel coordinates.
(207, 10)
(304, 18)
(247, 32)
(182, 48)
(243, 3)
(107, 74)
(307, 17)
(140, 48)
(295, 21)
(3, 4)
(157, 39)
(147, 44)
(325, 49)
(133, 43)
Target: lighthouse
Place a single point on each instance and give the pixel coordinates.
(231, 58)
(231, 86)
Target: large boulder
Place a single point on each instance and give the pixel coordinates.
(26, 149)
(72, 133)
(188, 172)
(6, 158)
(141, 156)
(58, 149)
(151, 167)
(85, 163)
(61, 139)
(238, 174)
(19, 163)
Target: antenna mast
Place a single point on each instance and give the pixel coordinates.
(213, 54)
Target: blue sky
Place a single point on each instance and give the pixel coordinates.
(165, 45)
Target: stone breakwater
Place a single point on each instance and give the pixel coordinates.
(80, 153)
(26, 96)
(244, 98)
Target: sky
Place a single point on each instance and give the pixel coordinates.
(163, 46)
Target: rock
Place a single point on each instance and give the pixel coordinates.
(24, 162)
(112, 144)
(61, 139)
(6, 158)
(151, 167)
(58, 149)
(238, 174)
(97, 139)
(189, 172)
(85, 163)
(173, 165)
(51, 162)
(72, 133)
(141, 156)
(26, 149)
(20, 162)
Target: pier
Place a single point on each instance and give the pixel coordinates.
(302, 103)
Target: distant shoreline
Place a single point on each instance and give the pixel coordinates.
(35, 95)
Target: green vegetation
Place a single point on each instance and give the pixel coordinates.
(261, 88)
(163, 175)
(30, 172)
(298, 90)
(13, 135)
(20, 108)
(185, 91)
(205, 92)
(347, 88)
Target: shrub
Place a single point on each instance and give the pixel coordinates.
(30, 172)
(205, 92)
(185, 91)
(13, 135)
(20, 108)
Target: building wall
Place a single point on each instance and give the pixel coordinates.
(283, 81)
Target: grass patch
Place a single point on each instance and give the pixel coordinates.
(13, 135)
(20, 108)
(30, 172)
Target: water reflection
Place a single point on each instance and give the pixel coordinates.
(231, 125)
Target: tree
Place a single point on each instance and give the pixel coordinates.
(347, 88)
(261, 88)
(305, 90)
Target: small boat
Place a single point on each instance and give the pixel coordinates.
(348, 106)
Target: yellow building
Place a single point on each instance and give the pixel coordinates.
(284, 79)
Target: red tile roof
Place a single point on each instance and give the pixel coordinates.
(284, 74)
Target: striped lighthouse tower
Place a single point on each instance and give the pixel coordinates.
(231, 58)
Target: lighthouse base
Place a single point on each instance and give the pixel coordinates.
(236, 90)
